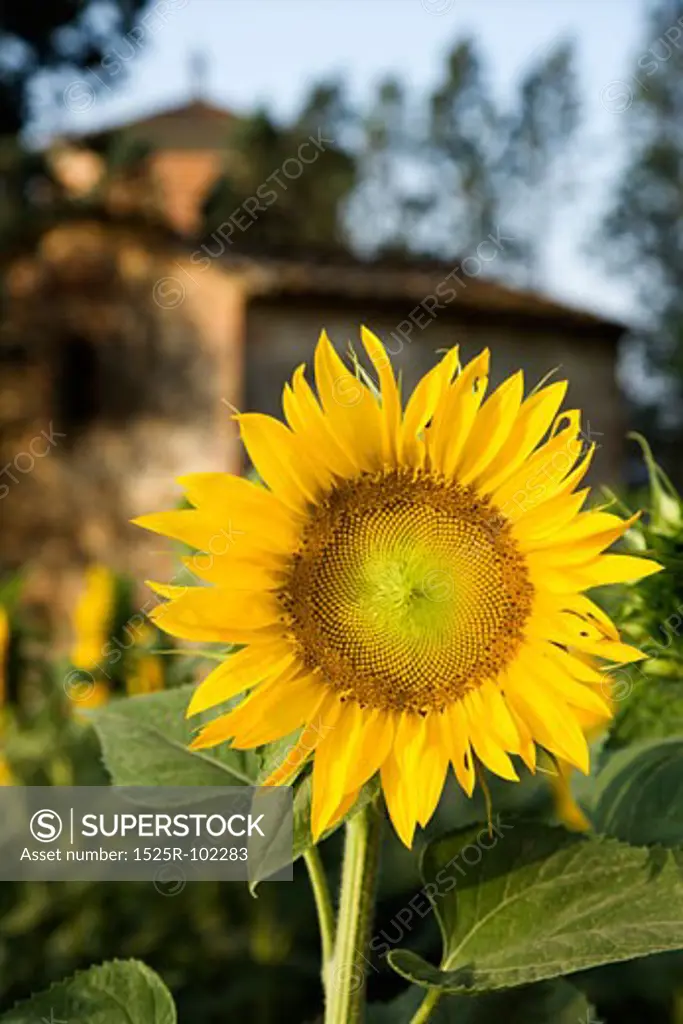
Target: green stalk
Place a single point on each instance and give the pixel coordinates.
(323, 906)
(347, 978)
(424, 1010)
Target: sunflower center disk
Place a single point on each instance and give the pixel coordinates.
(407, 591)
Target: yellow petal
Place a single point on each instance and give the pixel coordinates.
(550, 673)
(455, 731)
(306, 418)
(601, 528)
(391, 403)
(590, 611)
(531, 523)
(239, 671)
(299, 752)
(215, 613)
(422, 404)
(236, 573)
(527, 747)
(576, 667)
(230, 532)
(454, 416)
(550, 623)
(492, 427)
(373, 747)
(550, 720)
(408, 745)
(485, 746)
(352, 411)
(602, 570)
(566, 807)
(333, 756)
(224, 493)
(277, 708)
(617, 569)
(495, 711)
(281, 461)
(344, 807)
(433, 768)
(397, 800)
(274, 710)
(559, 551)
(540, 478)
(532, 423)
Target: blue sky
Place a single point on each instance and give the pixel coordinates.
(269, 51)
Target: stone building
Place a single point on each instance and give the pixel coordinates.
(124, 346)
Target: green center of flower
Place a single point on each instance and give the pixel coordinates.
(407, 591)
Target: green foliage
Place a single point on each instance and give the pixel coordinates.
(495, 165)
(145, 743)
(641, 232)
(305, 209)
(649, 709)
(638, 797)
(10, 590)
(542, 903)
(215, 945)
(404, 173)
(57, 40)
(650, 616)
(555, 1002)
(120, 992)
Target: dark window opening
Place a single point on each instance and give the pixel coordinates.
(79, 384)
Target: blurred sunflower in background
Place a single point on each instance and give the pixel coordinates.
(144, 672)
(408, 585)
(91, 625)
(92, 616)
(6, 774)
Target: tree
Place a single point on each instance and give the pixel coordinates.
(534, 167)
(290, 182)
(464, 126)
(408, 174)
(388, 210)
(642, 231)
(439, 173)
(47, 45)
(54, 40)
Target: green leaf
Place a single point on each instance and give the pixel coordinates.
(301, 833)
(639, 794)
(652, 708)
(145, 743)
(539, 902)
(266, 863)
(666, 507)
(549, 1002)
(118, 992)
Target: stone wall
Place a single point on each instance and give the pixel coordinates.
(280, 335)
(131, 373)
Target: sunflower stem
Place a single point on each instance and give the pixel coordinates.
(424, 1010)
(346, 981)
(323, 906)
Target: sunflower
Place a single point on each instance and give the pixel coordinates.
(408, 585)
(4, 653)
(92, 617)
